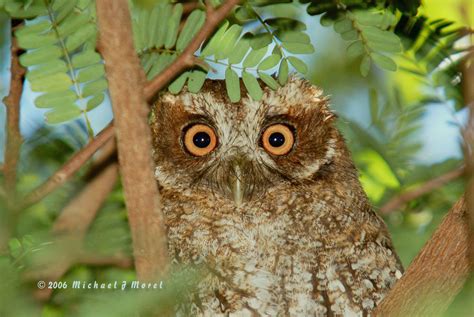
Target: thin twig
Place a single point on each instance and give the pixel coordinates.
(398, 201)
(69, 168)
(14, 140)
(214, 17)
(126, 81)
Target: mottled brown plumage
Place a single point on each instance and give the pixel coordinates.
(297, 236)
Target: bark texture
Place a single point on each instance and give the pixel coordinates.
(126, 82)
(437, 274)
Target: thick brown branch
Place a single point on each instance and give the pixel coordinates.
(436, 275)
(151, 88)
(186, 59)
(69, 168)
(13, 140)
(468, 133)
(398, 201)
(126, 81)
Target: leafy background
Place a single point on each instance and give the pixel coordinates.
(393, 80)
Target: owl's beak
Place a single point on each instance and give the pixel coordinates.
(236, 185)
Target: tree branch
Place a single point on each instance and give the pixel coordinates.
(436, 275)
(214, 17)
(398, 201)
(468, 95)
(13, 136)
(126, 81)
(69, 168)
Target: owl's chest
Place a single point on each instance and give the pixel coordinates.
(203, 227)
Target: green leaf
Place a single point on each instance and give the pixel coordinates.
(94, 87)
(178, 83)
(52, 83)
(143, 18)
(91, 73)
(365, 65)
(72, 23)
(350, 35)
(326, 20)
(55, 99)
(196, 80)
(386, 47)
(293, 37)
(40, 56)
(298, 48)
(229, 41)
(268, 80)
(243, 14)
(368, 18)
(283, 72)
(63, 9)
(260, 40)
(232, 85)
(55, 66)
(343, 25)
(36, 40)
(355, 49)
(374, 34)
(384, 62)
(252, 85)
(85, 58)
(80, 37)
(95, 101)
(193, 24)
(239, 51)
(173, 26)
(63, 114)
(254, 57)
(15, 247)
(213, 46)
(156, 30)
(269, 62)
(286, 24)
(162, 61)
(298, 64)
(35, 28)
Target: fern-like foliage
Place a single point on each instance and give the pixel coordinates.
(159, 42)
(390, 134)
(369, 34)
(433, 52)
(61, 58)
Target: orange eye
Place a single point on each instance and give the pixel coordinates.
(278, 139)
(200, 140)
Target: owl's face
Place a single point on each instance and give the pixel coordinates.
(203, 142)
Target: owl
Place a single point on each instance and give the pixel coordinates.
(265, 197)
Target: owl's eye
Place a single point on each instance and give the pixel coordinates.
(200, 140)
(278, 139)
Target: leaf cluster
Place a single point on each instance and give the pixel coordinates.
(61, 59)
(246, 53)
(434, 53)
(369, 37)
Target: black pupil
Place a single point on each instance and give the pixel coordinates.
(276, 139)
(202, 140)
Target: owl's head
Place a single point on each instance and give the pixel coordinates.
(204, 142)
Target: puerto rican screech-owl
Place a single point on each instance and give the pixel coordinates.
(264, 194)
